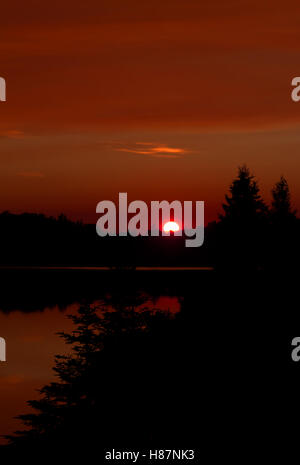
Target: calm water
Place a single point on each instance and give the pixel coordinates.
(31, 345)
(34, 304)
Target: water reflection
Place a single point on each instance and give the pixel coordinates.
(32, 343)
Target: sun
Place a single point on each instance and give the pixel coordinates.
(171, 226)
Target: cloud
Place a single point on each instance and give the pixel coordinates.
(152, 150)
(31, 174)
(175, 64)
(12, 134)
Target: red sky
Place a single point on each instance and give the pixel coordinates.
(160, 99)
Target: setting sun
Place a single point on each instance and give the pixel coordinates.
(171, 226)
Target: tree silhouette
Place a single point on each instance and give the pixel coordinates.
(284, 227)
(244, 205)
(242, 226)
(59, 400)
(109, 387)
(281, 202)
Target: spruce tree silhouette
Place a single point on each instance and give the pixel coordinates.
(281, 202)
(242, 226)
(284, 227)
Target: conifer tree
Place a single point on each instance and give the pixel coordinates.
(242, 226)
(244, 204)
(281, 202)
(81, 397)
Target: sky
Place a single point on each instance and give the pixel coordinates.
(161, 99)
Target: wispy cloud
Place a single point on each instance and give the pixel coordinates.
(152, 150)
(31, 174)
(12, 134)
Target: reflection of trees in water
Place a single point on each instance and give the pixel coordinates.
(35, 291)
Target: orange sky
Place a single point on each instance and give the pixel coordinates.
(161, 99)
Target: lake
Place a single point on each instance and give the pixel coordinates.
(34, 306)
(232, 328)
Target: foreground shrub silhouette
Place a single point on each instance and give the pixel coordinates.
(206, 378)
(118, 385)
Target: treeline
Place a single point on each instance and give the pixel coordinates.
(32, 239)
(248, 233)
(252, 234)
